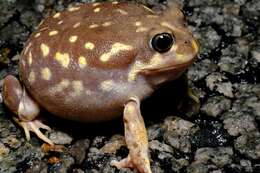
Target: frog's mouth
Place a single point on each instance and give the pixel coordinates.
(161, 68)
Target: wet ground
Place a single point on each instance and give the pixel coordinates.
(219, 136)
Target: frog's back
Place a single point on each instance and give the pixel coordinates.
(76, 63)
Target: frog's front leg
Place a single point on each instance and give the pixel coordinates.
(21, 104)
(136, 139)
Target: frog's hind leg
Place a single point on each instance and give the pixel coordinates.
(136, 139)
(19, 102)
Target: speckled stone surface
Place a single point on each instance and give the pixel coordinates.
(220, 135)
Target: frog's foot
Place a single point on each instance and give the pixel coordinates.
(34, 126)
(128, 162)
(136, 139)
(24, 107)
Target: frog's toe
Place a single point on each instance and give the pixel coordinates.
(129, 163)
(35, 126)
(124, 163)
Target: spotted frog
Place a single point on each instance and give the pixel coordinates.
(95, 62)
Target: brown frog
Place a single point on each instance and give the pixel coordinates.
(94, 62)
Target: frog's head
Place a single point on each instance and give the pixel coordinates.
(171, 45)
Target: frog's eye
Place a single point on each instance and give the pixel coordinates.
(162, 42)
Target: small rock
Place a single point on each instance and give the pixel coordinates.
(216, 81)
(232, 9)
(8, 9)
(201, 69)
(246, 165)
(79, 149)
(29, 18)
(214, 106)
(209, 40)
(115, 143)
(256, 55)
(210, 159)
(37, 166)
(178, 133)
(240, 122)
(99, 141)
(12, 141)
(4, 151)
(234, 59)
(156, 168)
(154, 132)
(61, 138)
(14, 33)
(178, 164)
(220, 156)
(155, 145)
(249, 145)
(199, 168)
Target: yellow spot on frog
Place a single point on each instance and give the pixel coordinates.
(93, 26)
(60, 22)
(138, 23)
(107, 24)
(60, 86)
(89, 45)
(77, 87)
(76, 25)
(123, 12)
(135, 69)
(57, 15)
(96, 4)
(54, 32)
(46, 73)
(107, 85)
(30, 58)
(74, 8)
(63, 59)
(96, 10)
(31, 77)
(115, 2)
(116, 48)
(73, 38)
(141, 29)
(37, 35)
(82, 62)
(45, 49)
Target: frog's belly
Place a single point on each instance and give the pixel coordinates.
(95, 108)
(89, 101)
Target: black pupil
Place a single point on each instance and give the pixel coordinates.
(162, 42)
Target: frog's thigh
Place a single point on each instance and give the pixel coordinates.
(21, 104)
(136, 139)
(18, 101)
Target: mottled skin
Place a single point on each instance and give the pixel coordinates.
(94, 62)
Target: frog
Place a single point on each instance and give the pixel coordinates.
(96, 62)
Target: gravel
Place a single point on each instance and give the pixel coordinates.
(220, 136)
